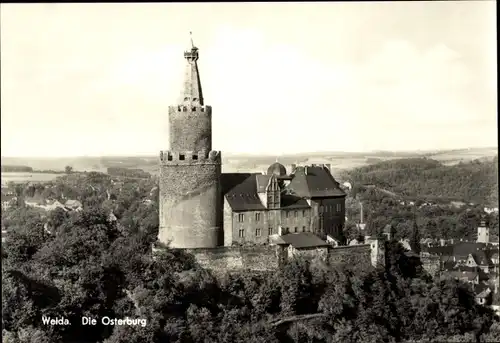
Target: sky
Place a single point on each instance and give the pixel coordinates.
(97, 79)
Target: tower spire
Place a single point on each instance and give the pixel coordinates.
(192, 94)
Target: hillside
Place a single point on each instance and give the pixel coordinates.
(428, 179)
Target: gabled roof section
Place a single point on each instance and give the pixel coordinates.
(302, 240)
(240, 191)
(314, 182)
(291, 202)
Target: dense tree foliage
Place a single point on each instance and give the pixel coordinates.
(128, 172)
(428, 180)
(87, 264)
(434, 221)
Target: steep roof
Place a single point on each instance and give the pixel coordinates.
(301, 240)
(240, 190)
(482, 258)
(481, 290)
(291, 202)
(314, 182)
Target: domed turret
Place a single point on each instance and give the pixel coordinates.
(277, 169)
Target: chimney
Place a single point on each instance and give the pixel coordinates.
(442, 242)
(361, 221)
(280, 230)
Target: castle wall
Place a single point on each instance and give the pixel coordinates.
(190, 128)
(190, 199)
(228, 259)
(350, 255)
(312, 254)
(269, 258)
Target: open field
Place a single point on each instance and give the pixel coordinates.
(233, 162)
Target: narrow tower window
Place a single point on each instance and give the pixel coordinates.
(182, 157)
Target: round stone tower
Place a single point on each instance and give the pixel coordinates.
(190, 171)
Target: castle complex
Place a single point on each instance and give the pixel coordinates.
(200, 207)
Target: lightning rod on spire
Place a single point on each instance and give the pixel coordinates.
(191, 39)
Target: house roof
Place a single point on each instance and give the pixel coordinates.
(462, 250)
(301, 240)
(481, 290)
(482, 258)
(449, 265)
(463, 274)
(291, 202)
(240, 190)
(314, 182)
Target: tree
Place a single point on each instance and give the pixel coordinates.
(415, 238)
(68, 169)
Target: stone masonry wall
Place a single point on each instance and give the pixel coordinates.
(190, 130)
(190, 203)
(269, 258)
(351, 255)
(222, 259)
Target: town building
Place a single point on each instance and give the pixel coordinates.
(475, 263)
(201, 207)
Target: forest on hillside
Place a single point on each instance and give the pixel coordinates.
(88, 264)
(429, 180)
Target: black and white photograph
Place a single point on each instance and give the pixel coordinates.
(225, 172)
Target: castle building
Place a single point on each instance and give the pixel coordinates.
(202, 208)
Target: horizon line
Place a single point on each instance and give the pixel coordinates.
(261, 154)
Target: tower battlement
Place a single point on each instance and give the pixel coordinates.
(193, 108)
(168, 157)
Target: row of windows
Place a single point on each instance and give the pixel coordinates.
(241, 216)
(270, 231)
(329, 208)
